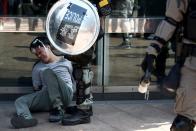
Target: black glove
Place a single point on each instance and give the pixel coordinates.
(147, 66)
(151, 53)
(147, 63)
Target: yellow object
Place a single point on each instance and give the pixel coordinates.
(103, 3)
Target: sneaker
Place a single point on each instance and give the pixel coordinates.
(56, 115)
(20, 122)
(80, 117)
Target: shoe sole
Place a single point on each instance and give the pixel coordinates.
(81, 121)
(55, 120)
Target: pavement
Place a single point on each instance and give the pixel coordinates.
(131, 115)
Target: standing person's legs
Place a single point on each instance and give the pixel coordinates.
(125, 25)
(84, 98)
(82, 112)
(185, 105)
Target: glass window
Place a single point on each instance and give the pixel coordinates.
(129, 30)
(16, 61)
(119, 55)
(123, 63)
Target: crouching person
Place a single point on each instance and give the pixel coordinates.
(53, 84)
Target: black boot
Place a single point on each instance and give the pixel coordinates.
(56, 114)
(182, 123)
(76, 116)
(74, 109)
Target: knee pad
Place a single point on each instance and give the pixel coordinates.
(87, 76)
(182, 123)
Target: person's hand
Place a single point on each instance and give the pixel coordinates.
(148, 62)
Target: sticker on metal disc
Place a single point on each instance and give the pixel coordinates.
(72, 26)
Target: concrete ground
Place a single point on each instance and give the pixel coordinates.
(108, 116)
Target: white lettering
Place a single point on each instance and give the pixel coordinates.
(73, 16)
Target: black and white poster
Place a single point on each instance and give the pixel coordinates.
(70, 25)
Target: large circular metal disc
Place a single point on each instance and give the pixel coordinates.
(72, 26)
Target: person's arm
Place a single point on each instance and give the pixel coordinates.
(36, 78)
(175, 10)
